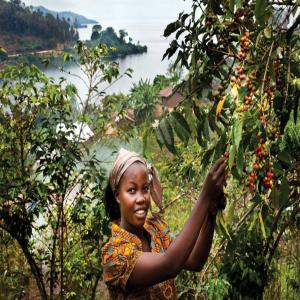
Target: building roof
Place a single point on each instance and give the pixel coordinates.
(166, 92)
(171, 98)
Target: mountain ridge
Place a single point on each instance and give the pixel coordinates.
(80, 20)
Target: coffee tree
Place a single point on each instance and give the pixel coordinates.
(241, 100)
(50, 184)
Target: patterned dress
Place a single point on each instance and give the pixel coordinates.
(120, 254)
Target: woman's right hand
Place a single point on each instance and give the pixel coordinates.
(212, 189)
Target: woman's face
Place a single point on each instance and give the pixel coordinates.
(134, 197)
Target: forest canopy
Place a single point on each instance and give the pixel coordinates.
(42, 31)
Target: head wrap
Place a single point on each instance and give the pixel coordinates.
(126, 158)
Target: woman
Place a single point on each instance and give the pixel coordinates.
(142, 257)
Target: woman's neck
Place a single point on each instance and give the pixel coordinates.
(138, 231)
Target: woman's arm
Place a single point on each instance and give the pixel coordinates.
(201, 250)
(152, 268)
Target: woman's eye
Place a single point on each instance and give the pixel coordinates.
(132, 190)
(146, 189)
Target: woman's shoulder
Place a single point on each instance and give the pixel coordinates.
(158, 224)
(120, 238)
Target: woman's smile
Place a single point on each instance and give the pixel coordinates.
(141, 213)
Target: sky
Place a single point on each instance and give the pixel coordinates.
(96, 9)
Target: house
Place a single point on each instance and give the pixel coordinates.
(170, 99)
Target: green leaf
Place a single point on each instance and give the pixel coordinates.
(199, 113)
(171, 28)
(206, 127)
(260, 10)
(180, 126)
(167, 134)
(285, 157)
(222, 222)
(159, 137)
(207, 158)
(230, 212)
(232, 151)
(220, 146)
(240, 160)
(212, 123)
(258, 38)
(242, 91)
(203, 131)
(237, 132)
(200, 138)
(262, 225)
(275, 197)
(231, 6)
(253, 221)
(268, 32)
(239, 3)
(284, 192)
(184, 17)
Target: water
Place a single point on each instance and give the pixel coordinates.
(145, 22)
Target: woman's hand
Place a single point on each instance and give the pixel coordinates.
(212, 189)
(215, 206)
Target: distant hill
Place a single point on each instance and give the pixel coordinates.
(72, 18)
(24, 30)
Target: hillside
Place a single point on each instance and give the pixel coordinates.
(23, 30)
(72, 18)
(117, 41)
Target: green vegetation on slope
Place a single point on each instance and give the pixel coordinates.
(111, 39)
(30, 30)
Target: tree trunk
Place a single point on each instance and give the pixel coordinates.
(61, 254)
(53, 258)
(35, 271)
(93, 296)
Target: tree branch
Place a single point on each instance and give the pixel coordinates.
(284, 227)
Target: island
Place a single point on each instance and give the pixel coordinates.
(120, 41)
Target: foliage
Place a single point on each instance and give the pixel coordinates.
(14, 279)
(244, 265)
(96, 32)
(110, 38)
(18, 20)
(241, 91)
(50, 184)
(143, 97)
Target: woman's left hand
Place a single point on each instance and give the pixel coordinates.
(218, 204)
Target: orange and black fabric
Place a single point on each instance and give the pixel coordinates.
(120, 254)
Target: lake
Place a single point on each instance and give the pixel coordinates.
(145, 22)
